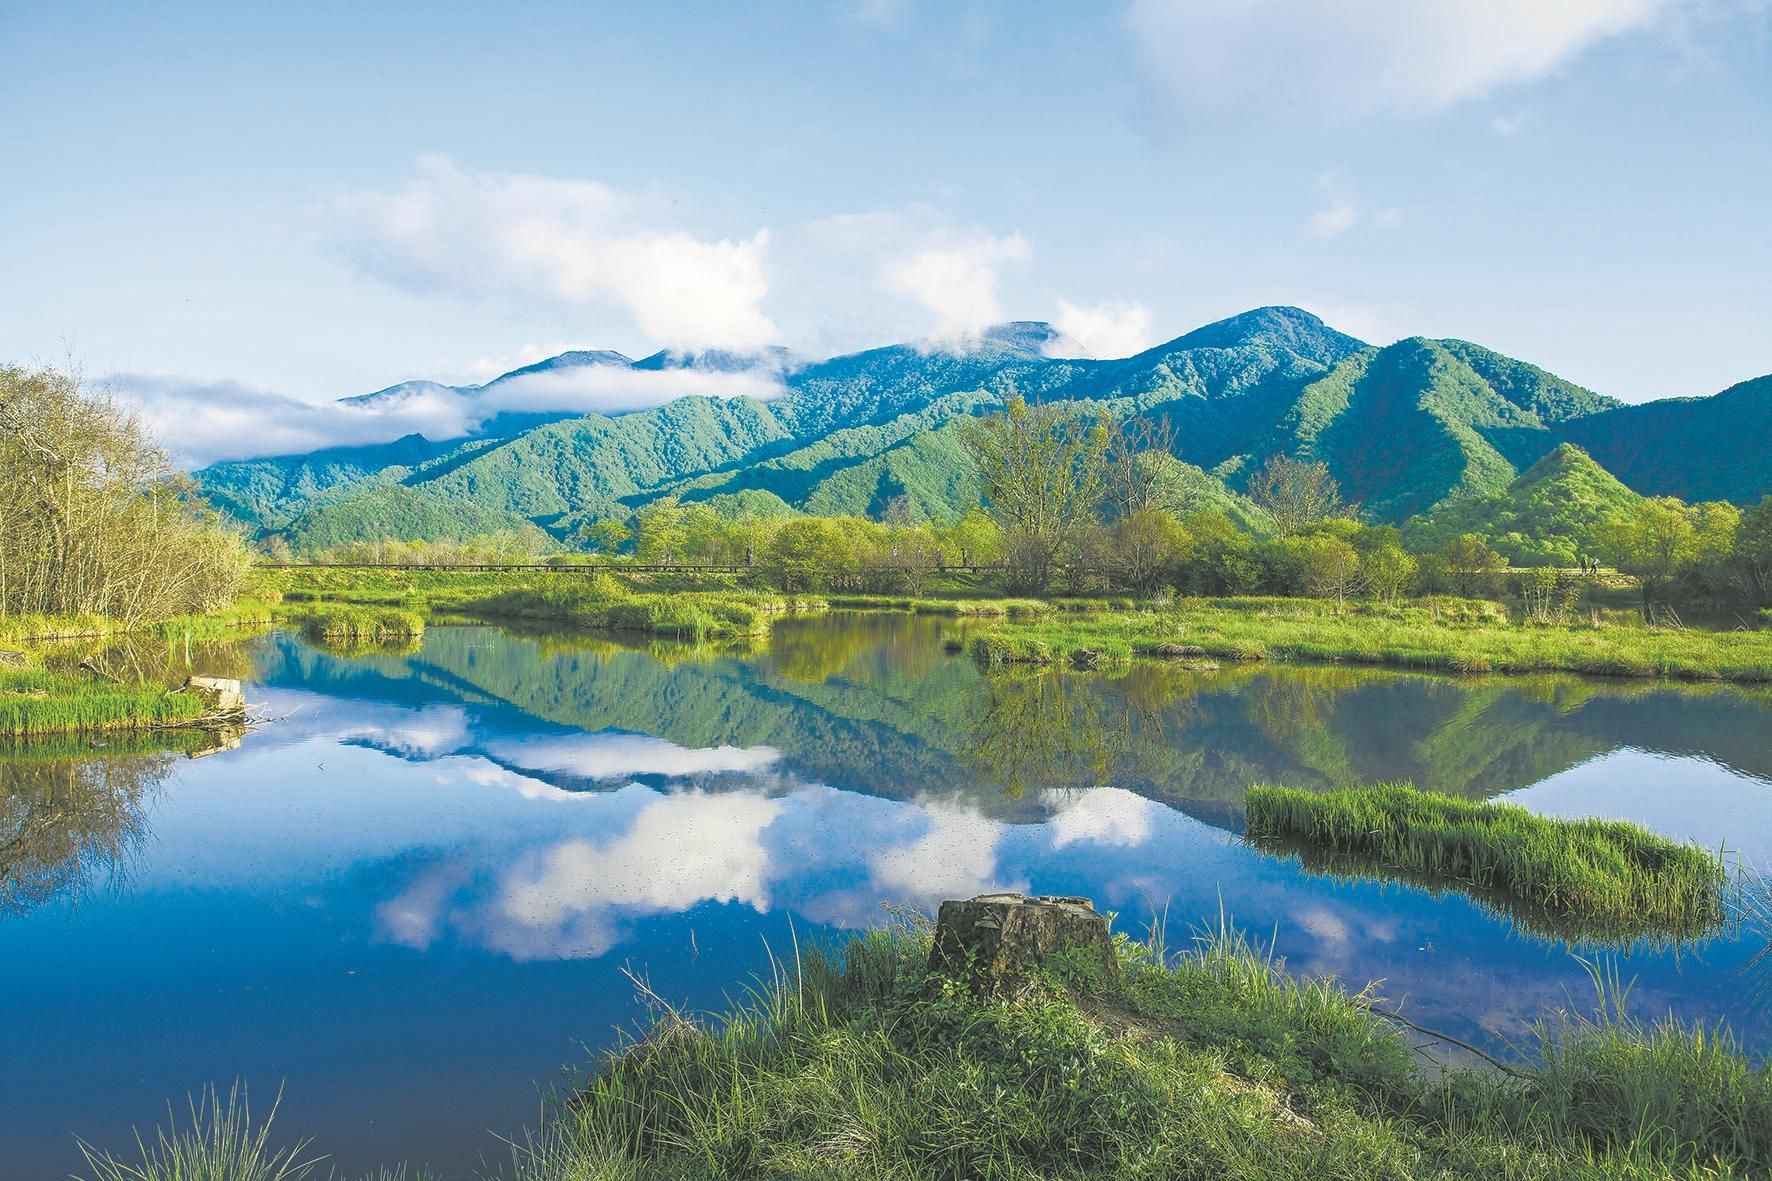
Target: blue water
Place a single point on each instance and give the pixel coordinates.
(412, 901)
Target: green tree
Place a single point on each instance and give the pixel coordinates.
(1750, 558)
(1665, 537)
(1041, 467)
(1472, 564)
(93, 516)
(658, 531)
(1147, 548)
(1328, 565)
(809, 553)
(1388, 570)
(975, 539)
(1136, 478)
(1296, 494)
(606, 536)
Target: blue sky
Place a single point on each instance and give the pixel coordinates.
(299, 202)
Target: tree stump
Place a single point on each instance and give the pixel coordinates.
(221, 695)
(997, 940)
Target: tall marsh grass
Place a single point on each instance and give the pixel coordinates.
(1602, 877)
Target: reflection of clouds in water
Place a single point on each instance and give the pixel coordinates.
(413, 917)
(829, 856)
(426, 732)
(1099, 816)
(956, 857)
(680, 850)
(616, 756)
(492, 775)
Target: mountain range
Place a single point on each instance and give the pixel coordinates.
(1413, 428)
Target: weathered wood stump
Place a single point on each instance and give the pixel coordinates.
(997, 940)
(221, 695)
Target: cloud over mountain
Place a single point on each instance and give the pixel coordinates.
(207, 421)
(569, 240)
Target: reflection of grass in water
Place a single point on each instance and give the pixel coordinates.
(1754, 903)
(367, 645)
(1594, 879)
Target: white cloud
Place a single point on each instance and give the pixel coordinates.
(414, 917)
(1104, 329)
(1219, 61)
(213, 420)
(1334, 220)
(1371, 323)
(621, 756)
(954, 274)
(883, 13)
(571, 241)
(1100, 816)
(1508, 126)
(1340, 213)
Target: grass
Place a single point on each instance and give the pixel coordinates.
(350, 624)
(600, 603)
(595, 601)
(1448, 635)
(1213, 1064)
(962, 606)
(42, 693)
(1603, 877)
(35, 701)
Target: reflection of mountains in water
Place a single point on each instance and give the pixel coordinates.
(870, 704)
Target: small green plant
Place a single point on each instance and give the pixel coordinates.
(220, 1142)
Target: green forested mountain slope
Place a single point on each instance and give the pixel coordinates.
(1553, 514)
(1425, 422)
(1716, 448)
(1407, 429)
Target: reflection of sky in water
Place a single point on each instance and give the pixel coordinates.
(1692, 797)
(412, 909)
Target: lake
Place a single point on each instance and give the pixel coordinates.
(420, 896)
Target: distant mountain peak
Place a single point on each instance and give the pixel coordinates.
(774, 359)
(1034, 337)
(571, 359)
(1279, 326)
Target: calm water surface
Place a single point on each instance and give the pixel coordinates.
(409, 902)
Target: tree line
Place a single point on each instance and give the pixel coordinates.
(94, 519)
(1079, 504)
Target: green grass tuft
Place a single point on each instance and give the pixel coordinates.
(1601, 878)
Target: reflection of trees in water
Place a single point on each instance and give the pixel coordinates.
(1299, 702)
(157, 659)
(69, 823)
(1045, 729)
